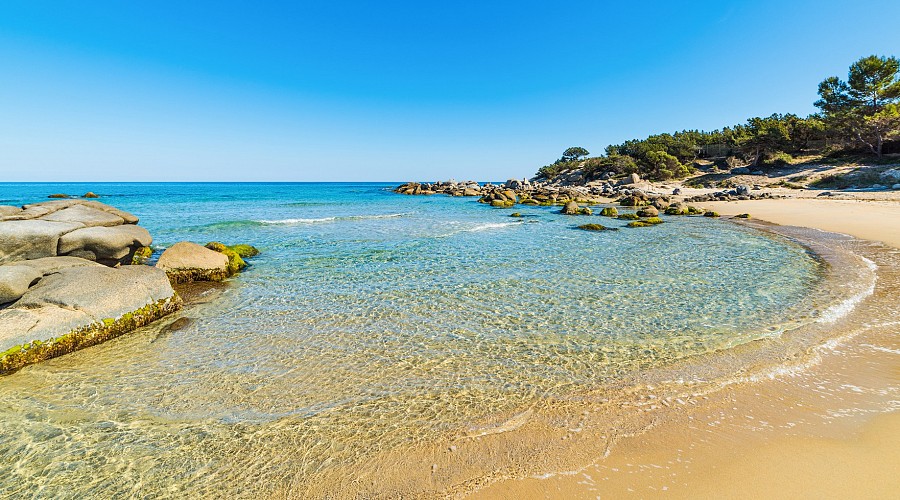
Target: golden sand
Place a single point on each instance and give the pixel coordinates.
(826, 432)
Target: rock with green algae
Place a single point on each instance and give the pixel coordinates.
(515, 214)
(650, 221)
(76, 307)
(141, 256)
(245, 251)
(596, 227)
(609, 212)
(502, 203)
(711, 214)
(742, 216)
(628, 216)
(235, 262)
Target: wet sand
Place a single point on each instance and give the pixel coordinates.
(830, 431)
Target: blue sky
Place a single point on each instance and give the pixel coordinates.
(341, 91)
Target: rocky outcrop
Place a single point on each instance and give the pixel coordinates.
(15, 280)
(81, 228)
(77, 303)
(109, 245)
(31, 239)
(184, 262)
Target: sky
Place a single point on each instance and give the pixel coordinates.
(396, 91)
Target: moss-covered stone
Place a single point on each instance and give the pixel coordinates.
(515, 214)
(141, 256)
(585, 211)
(711, 214)
(692, 210)
(235, 262)
(653, 220)
(628, 216)
(189, 275)
(639, 223)
(502, 203)
(610, 212)
(245, 251)
(40, 350)
(742, 216)
(596, 227)
(676, 209)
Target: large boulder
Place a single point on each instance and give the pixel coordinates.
(7, 210)
(85, 215)
(108, 245)
(55, 205)
(185, 262)
(81, 228)
(50, 265)
(15, 280)
(80, 306)
(31, 239)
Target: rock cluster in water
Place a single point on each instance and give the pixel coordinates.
(72, 275)
(531, 192)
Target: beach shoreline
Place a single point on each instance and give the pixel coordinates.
(796, 453)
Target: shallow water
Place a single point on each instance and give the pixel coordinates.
(376, 324)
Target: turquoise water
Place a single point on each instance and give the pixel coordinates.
(373, 321)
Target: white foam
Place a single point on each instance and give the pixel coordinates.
(284, 222)
(843, 308)
(479, 227)
(490, 225)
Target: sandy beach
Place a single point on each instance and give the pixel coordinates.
(775, 438)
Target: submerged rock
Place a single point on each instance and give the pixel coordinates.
(596, 227)
(245, 251)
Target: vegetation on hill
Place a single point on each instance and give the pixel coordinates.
(861, 115)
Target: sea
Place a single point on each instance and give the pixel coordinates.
(385, 345)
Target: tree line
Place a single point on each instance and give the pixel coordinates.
(861, 114)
